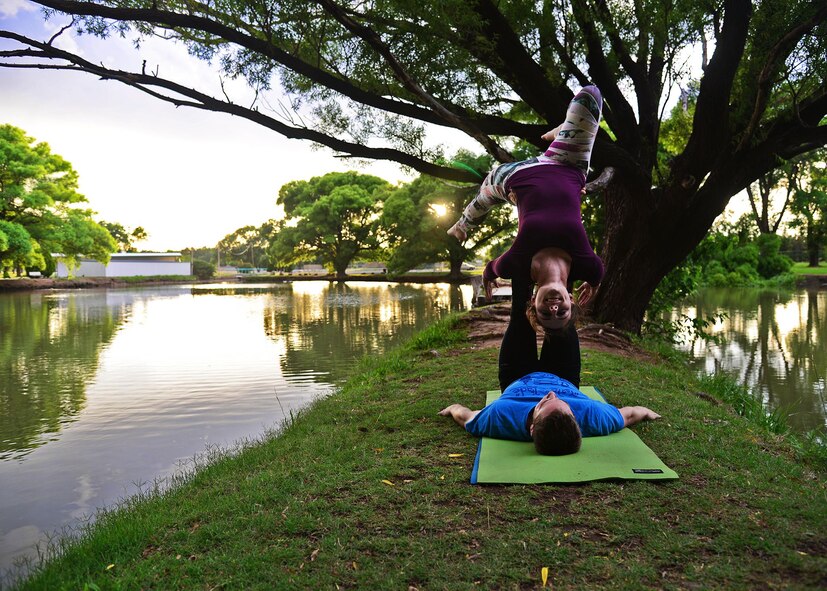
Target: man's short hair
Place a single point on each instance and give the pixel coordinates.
(556, 434)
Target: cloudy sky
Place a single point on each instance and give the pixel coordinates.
(188, 177)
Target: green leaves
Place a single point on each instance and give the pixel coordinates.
(38, 195)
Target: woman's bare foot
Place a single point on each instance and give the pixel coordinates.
(457, 232)
(549, 136)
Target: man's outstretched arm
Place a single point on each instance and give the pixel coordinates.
(459, 413)
(635, 414)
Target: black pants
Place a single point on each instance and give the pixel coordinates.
(559, 355)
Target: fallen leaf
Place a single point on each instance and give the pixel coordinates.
(388, 482)
(442, 477)
(544, 575)
(110, 567)
(314, 554)
(455, 455)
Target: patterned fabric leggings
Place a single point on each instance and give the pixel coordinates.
(572, 146)
(575, 140)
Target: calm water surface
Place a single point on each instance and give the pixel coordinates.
(773, 341)
(103, 391)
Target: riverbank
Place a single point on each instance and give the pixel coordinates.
(369, 489)
(44, 283)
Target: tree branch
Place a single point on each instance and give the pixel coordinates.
(602, 181)
(512, 64)
(623, 121)
(148, 83)
(712, 109)
(263, 46)
(776, 56)
(370, 37)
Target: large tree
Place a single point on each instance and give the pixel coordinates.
(332, 218)
(365, 77)
(40, 206)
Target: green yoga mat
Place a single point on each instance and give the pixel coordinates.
(619, 455)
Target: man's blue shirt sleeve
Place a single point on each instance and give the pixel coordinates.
(504, 418)
(596, 418)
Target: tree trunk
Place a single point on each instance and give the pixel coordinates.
(648, 233)
(455, 274)
(813, 246)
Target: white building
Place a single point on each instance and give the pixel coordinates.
(127, 264)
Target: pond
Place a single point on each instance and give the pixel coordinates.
(774, 341)
(105, 391)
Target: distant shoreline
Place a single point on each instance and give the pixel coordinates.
(45, 283)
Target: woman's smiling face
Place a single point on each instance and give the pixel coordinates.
(553, 306)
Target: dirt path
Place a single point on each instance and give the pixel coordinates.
(487, 324)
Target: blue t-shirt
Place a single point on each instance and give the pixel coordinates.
(506, 417)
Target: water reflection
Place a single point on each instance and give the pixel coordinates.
(327, 326)
(773, 341)
(102, 390)
(49, 349)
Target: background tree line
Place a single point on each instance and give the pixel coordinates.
(339, 218)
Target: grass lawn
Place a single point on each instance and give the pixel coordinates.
(369, 489)
(805, 269)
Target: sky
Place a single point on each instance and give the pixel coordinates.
(188, 177)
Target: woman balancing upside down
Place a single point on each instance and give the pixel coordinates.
(551, 248)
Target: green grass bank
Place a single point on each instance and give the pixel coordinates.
(369, 489)
(805, 269)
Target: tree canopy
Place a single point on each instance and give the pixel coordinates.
(809, 205)
(124, 237)
(38, 207)
(369, 79)
(332, 218)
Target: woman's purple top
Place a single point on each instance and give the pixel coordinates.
(548, 211)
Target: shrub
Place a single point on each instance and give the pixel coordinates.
(770, 261)
(203, 269)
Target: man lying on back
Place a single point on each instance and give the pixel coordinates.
(548, 410)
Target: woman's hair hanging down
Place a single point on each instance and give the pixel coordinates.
(531, 314)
